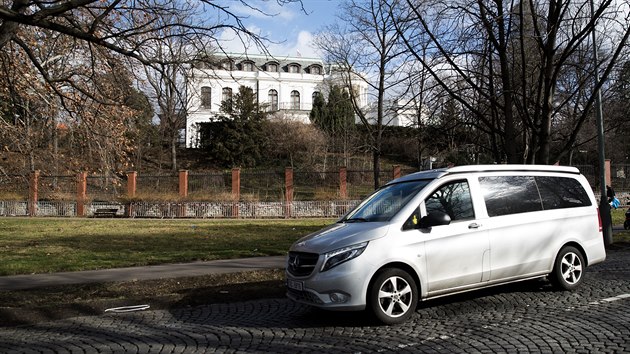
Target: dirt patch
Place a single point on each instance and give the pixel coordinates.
(58, 302)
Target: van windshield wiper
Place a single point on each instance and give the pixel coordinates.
(356, 220)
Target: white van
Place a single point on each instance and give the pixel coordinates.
(441, 232)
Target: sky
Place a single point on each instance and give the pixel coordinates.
(290, 28)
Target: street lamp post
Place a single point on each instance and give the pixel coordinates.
(604, 207)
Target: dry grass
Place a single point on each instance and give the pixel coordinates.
(13, 196)
(42, 245)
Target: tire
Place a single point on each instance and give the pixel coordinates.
(393, 296)
(568, 269)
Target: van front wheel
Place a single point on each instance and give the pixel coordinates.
(393, 296)
(568, 269)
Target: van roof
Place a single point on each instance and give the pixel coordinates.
(437, 173)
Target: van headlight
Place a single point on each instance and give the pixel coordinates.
(337, 257)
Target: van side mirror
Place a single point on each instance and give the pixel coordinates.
(434, 218)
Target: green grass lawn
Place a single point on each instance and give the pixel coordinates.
(41, 245)
(618, 217)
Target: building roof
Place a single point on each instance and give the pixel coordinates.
(260, 60)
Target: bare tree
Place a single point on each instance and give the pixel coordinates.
(507, 59)
(129, 28)
(87, 36)
(366, 48)
(37, 122)
(173, 56)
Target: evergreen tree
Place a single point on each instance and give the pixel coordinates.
(335, 118)
(318, 111)
(236, 138)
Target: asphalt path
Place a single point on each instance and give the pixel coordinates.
(29, 281)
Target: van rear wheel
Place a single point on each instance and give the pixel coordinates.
(393, 296)
(568, 269)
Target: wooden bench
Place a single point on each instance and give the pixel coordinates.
(111, 212)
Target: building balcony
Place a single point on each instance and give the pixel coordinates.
(291, 106)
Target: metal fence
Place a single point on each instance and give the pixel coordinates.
(620, 173)
(619, 176)
(54, 188)
(210, 186)
(361, 183)
(314, 185)
(210, 194)
(13, 208)
(163, 186)
(265, 186)
(105, 187)
(168, 210)
(14, 187)
(296, 209)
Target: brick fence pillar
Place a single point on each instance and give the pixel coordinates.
(343, 182)
(288, 193)
(81, 193)
(183, 183)
(131, 183)
(236, 191)
(33, 189)
(131, 192)
(396, 172)
(183, 192)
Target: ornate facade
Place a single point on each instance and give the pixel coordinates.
(281, 84)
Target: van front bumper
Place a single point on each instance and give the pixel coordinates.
(341, 288)
(312, 298)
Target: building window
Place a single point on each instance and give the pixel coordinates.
(272, 67)
(248, 66)
(316, 70)
(315, 95)
(226, 65)
(273, 100)
(295, 100)
(206, 97)
(227, 94)
(294, 68)
(201, 65)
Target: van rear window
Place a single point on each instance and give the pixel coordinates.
(506, 195)
(562, 192)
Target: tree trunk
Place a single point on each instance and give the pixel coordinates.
(506, 81)
(376, 162)
(174, 151)
(549, 83)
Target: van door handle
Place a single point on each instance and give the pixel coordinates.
(474, 226)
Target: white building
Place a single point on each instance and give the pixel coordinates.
(395, 113)
(286, 84)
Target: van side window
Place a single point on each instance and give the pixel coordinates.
(453, 199)
(506, 195)
(562, 192)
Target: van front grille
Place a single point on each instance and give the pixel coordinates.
(303, 297)
(302, 264)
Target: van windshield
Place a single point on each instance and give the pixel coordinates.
(383, 204)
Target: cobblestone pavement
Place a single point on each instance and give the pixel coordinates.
(526, 317)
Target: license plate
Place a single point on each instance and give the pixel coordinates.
(295, 285)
